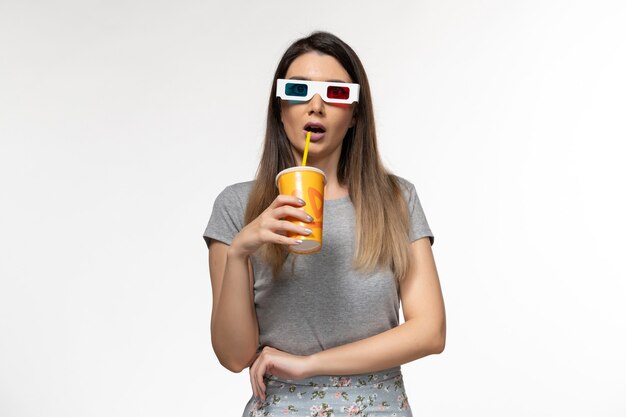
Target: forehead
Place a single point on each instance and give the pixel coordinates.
(316, 66)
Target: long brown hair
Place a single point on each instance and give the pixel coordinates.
(382, 217)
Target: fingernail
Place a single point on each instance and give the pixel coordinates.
(308, 231)
(301, 201)
(298, 241)
(309, 218)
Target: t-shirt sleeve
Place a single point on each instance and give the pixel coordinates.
(417, 218)
(226, 218)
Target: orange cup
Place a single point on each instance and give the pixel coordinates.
(306, 183)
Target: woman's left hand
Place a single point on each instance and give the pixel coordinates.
(278, 363)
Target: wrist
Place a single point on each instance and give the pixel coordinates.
(312, 365)
(235, 252)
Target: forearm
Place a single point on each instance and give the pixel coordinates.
(234, 329)
(402, 344)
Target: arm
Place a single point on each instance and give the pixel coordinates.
(422, 334)
(234, 324)
(234, 327)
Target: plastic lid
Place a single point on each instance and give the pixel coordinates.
(295, 169)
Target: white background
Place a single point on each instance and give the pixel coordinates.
(120, 122)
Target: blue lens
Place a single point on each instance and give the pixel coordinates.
(296, 89)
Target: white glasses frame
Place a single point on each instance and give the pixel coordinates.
(317, 87)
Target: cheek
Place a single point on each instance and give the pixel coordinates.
(341, 105)
(288, 120)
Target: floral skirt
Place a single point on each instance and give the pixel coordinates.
(375, 394)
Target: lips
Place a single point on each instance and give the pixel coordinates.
(317, 130)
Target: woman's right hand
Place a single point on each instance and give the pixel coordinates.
(269, 226)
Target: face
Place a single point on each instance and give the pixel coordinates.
(333, 119)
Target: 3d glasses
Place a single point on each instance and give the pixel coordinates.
(304, 90)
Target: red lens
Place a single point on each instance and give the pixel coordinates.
(337, 92)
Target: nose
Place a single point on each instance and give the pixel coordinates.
(316, 105)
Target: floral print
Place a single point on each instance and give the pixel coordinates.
(379, 394)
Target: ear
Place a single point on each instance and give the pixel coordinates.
(355, 113)
(280, 112)
(353, 121)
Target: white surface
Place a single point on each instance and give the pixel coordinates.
(118, 127)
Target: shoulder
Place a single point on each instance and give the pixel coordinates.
(238, 191)
(402, 181)
(407, 187)
(409, 192)
(240, 188)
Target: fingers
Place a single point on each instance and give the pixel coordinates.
(277, 237)
(260, 385)
(275, 228)
(256, 379)
(289, 211)
(283, 199)
(285, 226)
(279, 222)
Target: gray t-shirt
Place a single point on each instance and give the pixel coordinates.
(325, 303)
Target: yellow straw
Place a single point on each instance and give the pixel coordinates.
(306, 148)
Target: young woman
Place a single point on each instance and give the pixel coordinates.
(321, 332)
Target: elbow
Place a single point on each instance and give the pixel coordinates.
(439, 346)
(234, 363)
(232, 366)
(440, 340)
